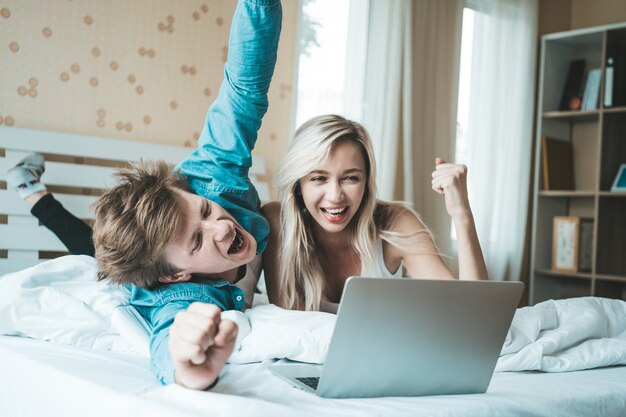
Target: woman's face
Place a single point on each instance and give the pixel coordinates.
(333, 192)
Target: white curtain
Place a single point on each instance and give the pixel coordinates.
(436, 31)
(500, 128)
(376, 92)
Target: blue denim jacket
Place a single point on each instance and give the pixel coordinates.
(218, 168)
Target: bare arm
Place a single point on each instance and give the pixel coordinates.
(450, 180)
(420, 256)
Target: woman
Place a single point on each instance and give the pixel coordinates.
(329, 224)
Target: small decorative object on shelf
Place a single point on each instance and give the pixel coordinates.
(565, 244)
(572, 96)
(619, 184)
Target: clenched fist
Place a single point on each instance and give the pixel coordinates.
(200, 343)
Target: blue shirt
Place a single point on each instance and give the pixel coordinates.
(218, 168)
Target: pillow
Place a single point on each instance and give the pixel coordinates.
(278, 333)
(62, 301)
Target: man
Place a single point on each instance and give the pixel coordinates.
(182, 238)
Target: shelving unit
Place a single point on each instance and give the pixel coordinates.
(598, 139)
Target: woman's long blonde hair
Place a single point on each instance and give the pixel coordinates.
(300, 274)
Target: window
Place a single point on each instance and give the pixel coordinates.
(465, 75)
(323, 37)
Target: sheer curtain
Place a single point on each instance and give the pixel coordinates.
(500, 128)
(436, 57)
(387, 84)
(404, 91)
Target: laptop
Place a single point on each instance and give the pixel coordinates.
(411, 337)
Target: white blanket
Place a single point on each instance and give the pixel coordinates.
(566, 335)
(62, 301)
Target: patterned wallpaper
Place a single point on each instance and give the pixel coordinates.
(131, 69)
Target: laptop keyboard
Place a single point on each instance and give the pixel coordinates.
(311, 382)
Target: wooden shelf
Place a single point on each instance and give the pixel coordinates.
(566, 193)
(581, 275)
(606, 277)
(616, 194)
(560, 274)
(575, 114)
(615, 110)
(598, 147)
(579, 114)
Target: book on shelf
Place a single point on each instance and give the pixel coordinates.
(572, 94)
(608, 83)
(557, 164)
(592, 89)
(615, 70)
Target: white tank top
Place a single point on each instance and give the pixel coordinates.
(380, 271)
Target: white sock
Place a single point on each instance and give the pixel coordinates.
(25, 177)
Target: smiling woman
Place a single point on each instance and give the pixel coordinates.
(329, 224)
(333, 195)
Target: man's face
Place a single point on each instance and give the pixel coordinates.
(211, 240)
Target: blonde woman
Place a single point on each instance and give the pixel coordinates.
(329, 224)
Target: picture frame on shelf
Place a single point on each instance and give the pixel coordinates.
(565, 240)
(619, 184)
(585, 244)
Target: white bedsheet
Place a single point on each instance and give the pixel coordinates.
(61, 301)
(46, 379)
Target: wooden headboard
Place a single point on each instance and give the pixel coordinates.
(78, 168)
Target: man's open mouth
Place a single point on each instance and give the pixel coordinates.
(237, 244)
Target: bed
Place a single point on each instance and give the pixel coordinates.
(40, 378)
(65, 353)
(68, 347)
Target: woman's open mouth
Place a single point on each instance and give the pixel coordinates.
(237, 244)
(335, 214)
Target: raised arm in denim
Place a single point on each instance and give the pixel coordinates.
(218, 168)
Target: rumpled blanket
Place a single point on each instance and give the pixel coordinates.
(566, 335)
(62, 301)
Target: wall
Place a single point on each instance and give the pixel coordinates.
(141, 70)
(562, 15)
(587, 13)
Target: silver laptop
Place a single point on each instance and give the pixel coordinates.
(411, 337)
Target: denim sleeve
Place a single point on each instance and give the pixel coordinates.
(223, 157)
(160, 358)
(159, 312)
